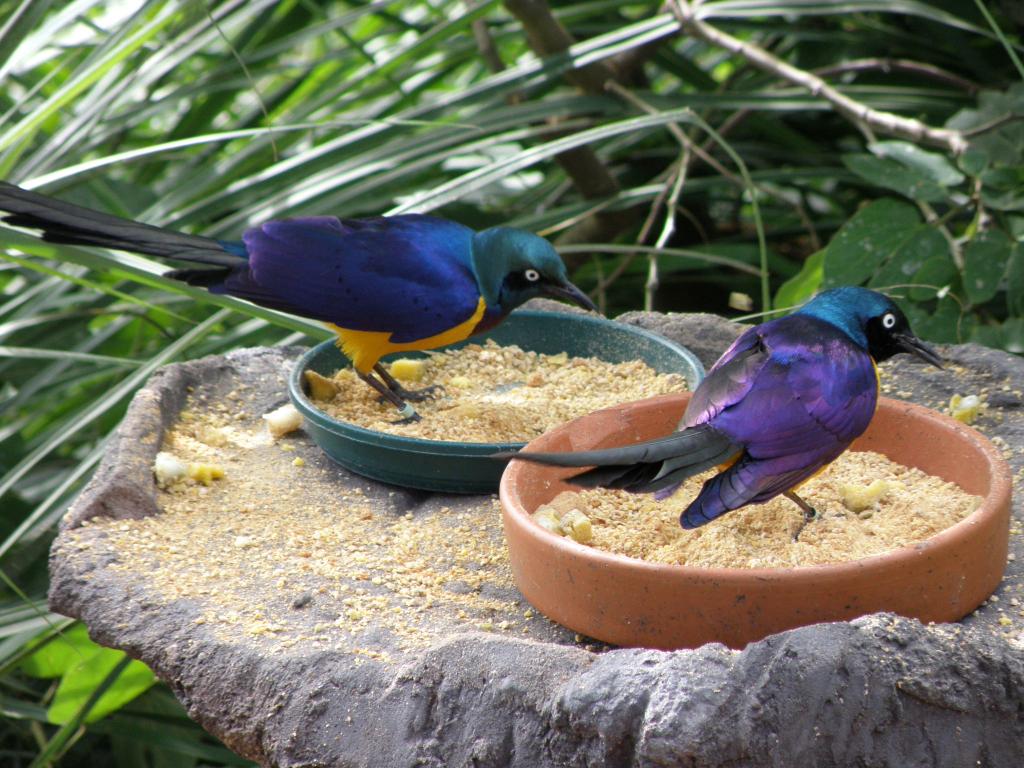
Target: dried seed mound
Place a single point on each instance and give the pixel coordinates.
(913, 507)
(496, 394)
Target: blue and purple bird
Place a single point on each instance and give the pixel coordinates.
(783, 402)
(382, 284)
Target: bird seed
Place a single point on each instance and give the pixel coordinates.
(496, 394)
(913, 507)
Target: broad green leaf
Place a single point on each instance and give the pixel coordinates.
(1003, 188)
(82, 678)
(944, 325)
(804, 284)
(937, 271)
(990, 335)
(867, 240)
(924, 243)
(1015, 281)
(1003, 143)
(916, 314)
(985, 259)
(974, 162)
(890, 174)
(1008, 335)
(1013, 335)
(932, 165)
(56, 656)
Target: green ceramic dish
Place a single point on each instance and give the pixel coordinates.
(435, 465)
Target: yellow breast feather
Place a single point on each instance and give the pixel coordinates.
(365, 348)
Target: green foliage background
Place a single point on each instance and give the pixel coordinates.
(694, 176)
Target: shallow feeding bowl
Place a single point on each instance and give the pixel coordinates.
(458, 467)
(630, 602)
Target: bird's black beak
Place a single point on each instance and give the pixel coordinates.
(570, 292)
(915, 346)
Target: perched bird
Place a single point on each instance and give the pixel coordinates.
(382, 284)
(782, 403)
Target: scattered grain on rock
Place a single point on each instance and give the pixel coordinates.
(499, 394)
(258, 532)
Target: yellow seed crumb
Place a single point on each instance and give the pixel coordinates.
(320, 387)
(298, 461)
(283, 420)
(858, 498)
(169, 469)
(547, 518)
(205, 473)
(965, 409)
(408, 369)
(577, 527)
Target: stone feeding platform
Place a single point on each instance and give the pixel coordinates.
(311, 617)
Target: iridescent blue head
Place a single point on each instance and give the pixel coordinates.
(513, 266)
(872, 320)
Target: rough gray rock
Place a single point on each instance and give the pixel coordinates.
(878, 691)
(707, 336)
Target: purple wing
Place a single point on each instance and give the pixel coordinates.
(729, 379)
(805, 406)
(408, 275)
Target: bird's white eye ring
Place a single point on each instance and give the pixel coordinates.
(888, 320)
(532, 275)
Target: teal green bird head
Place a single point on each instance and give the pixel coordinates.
(872, 320)
(513, 266)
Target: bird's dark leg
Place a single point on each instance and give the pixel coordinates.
(810, 513)
(409, 414)
(416, 395)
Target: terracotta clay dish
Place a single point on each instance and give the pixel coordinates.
(630, 602)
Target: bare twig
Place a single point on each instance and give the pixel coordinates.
(645, 230)
(668, 229)
(940, 224)
(677, 180)
(547, 37)
(703, 153)
(860, 114)
(992, 125)
(492, 58)
(920, 68)
(485, 44)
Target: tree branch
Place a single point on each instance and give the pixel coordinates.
(547, 37)
(861, 114)
(919, 68)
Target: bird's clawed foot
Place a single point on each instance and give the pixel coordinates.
(432, 392)
(415, 395)
(407, 412)
(412, 418)
(810, 513)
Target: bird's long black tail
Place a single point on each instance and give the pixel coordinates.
(644, 467)
(62, 222)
